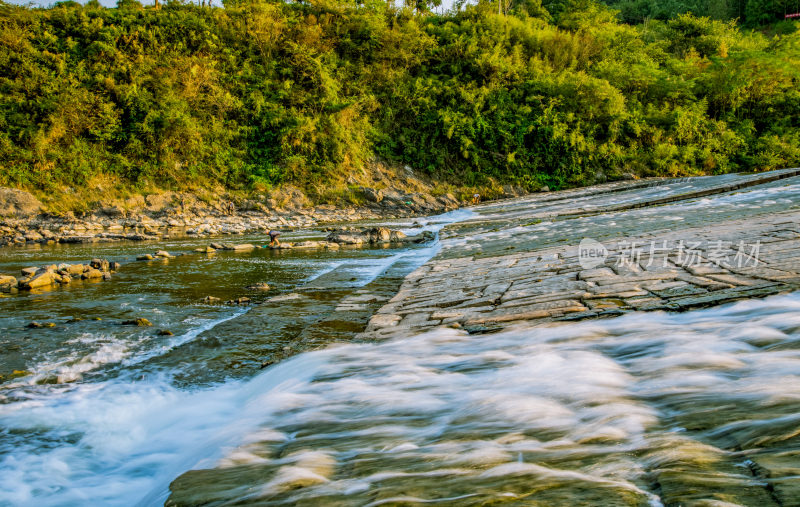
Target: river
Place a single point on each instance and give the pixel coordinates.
(94, 411)
(275, 404)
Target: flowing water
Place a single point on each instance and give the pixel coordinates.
(699, 408)
(628, 411)
(94, 411)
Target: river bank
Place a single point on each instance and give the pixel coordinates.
(175, 215)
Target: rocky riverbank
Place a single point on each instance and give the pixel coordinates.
(179, 214)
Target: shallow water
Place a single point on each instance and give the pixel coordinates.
(544, 228)
(91, 410)
(646, 409)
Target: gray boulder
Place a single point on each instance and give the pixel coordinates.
(14, 202)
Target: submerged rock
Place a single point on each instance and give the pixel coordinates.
(314, 245)
(145, 257)
(211, 299)
(37, 325)
(259, 286)
(425, 237)
(141, 322)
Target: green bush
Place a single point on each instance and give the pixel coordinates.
(261, 93)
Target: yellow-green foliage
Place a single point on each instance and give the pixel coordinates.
(260, 93)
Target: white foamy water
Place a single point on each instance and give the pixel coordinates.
(364, 270)
(583, 411)
(186, 337)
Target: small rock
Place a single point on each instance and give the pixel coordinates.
(163, 254)
(425, 237)
(100, 264)
(371, 194)
(141, 322)
(76, 269)
(92, 274)
(33, 236)
(115, 266)
(29, 271)
(145, 257)
(211, 299)
(258, 286)
(398, 236)
(113, 211)
(345, 239)
(165, 332)
(41, 280)
(6, 282)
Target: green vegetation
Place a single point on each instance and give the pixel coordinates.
(259, 94)
(752, 13)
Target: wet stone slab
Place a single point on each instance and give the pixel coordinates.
(672, 245)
